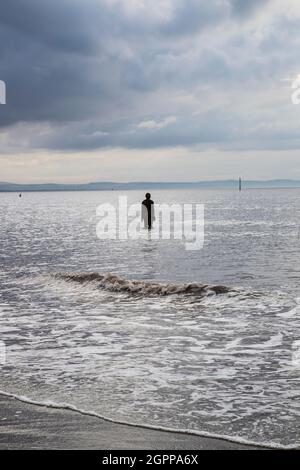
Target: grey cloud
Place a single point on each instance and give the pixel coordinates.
(63, 25)
(89, 71)
(244, 8)
(218, 128)
(192, 16)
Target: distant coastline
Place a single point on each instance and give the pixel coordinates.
(110, 185)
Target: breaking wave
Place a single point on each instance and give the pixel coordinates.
(115, 283)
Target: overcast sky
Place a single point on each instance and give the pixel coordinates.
(165, 90)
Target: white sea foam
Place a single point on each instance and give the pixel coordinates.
(289, 313)
(67, 406)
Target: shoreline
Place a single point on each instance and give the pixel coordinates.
(30, 426)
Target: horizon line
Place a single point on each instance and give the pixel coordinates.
(227, 180)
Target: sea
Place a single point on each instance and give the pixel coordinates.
(138, 331)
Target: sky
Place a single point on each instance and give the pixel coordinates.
(149, 90)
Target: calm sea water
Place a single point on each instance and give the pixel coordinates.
(226, 364)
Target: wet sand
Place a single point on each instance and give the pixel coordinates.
(26, 426)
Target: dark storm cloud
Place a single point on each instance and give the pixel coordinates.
(54, 63)
(90, 71)
(64, 25)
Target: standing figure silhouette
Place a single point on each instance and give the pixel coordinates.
(148, 211)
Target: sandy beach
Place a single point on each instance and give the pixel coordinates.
(24, 426)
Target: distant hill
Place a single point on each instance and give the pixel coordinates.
(144, 185)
